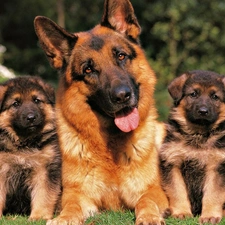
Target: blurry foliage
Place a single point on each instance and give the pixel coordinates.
(176, 35)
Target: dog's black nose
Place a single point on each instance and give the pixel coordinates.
(203, 111)
(121, 94)
(31, 117)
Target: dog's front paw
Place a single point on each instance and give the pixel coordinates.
(35, 218)
(150, 220)
(56, 222)
(40, 214)
(182, 215)
(177, 213)
(166, 213)
(64, 221)
(212, 220)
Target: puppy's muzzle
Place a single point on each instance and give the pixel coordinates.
(203, 111)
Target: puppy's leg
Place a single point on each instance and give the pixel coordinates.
(3, 189)
(152, 206)
(43, 196)
(178, 197)
(213, 199)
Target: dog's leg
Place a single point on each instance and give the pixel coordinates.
(178, 197)
(212, 202)
(76, 207)
(152, 207)
(3, 190)
(43, 197)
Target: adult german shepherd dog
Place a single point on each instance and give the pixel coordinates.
(30, 161)
(192, 155)
(106, 118)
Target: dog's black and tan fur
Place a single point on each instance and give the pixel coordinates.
(106, 118)
(30, 159)
(193, 153)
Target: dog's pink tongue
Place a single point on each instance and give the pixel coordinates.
(128, 122)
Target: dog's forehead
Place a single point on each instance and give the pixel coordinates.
(96, 43)
(25, 94)
(96, 40)
(202, 78)
(205, 87)
(88, 41)
(15, 95)
(205, 81)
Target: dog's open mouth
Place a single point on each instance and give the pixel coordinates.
(127, 119)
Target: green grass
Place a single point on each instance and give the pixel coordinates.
(19, 220)
(106, 218)
(127, 218)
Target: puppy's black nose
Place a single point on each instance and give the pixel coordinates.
(203, 111)
(31, 117)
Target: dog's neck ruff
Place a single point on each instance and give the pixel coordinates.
(29, 144)
(194, 138)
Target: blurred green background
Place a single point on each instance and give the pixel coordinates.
(176, 35)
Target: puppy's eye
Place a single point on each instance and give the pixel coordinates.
(37, 101)
(193, 94)
(215, 97)
(16, 104)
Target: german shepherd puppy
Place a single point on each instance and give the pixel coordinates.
(192, 155)
(106, 118)
(30, 161)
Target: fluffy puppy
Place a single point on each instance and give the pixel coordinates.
(30, 161)
(192, 156)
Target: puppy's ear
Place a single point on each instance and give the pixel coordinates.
(47, 88)
(3, 89)
(175, 88)
(49, 91)
(119, 15)
(223, 80)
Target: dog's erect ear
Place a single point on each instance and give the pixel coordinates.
(175, 88)
(56, 42)
(119, 15)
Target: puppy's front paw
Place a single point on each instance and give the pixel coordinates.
(182, 215)
(212, 220)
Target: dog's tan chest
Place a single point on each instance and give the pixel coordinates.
(27, 159)
(176, 152)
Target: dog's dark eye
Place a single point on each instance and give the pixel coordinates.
(88, 70)
(16, 104)
(121, 56)
(193, 94)
(37, 101)
(215, 97)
